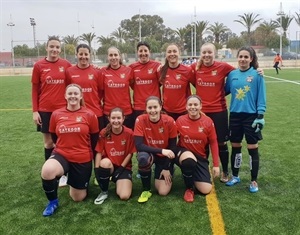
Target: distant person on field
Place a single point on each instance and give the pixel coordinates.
(115, 148)
(74, 130)
(155, 136)
(48, 89)
(247, 108)
(196, 131)
(277, 61)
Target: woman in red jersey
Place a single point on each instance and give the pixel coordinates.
(196, 131)
(175, 79)
(89, 78)
(146, 78)
(117, 79)
(210, 78)
(155, 136)
(48, 88)
(74, 130)
(114, 152)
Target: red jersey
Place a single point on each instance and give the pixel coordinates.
(48, 85)
(90, 81)
(176, 88)
(155, 134)
(146, 82)
(116, 84)
(73, 131)
(209, 83)
(194, 135)
(117, 147)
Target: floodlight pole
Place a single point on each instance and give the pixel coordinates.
(33, 24)
(280, 14)
(11, 25)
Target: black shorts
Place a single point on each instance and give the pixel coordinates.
(159, 163)
(79, 174)
(100, 122)
(137, 113)
(45, 117)
(220, 120)
(126, 174)
(240, 125)
(201, 173)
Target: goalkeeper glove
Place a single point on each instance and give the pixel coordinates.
(258, 123)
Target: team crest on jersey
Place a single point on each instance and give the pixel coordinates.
(122, 75)
(200, 129)
(150, 71)
(249, 79)
(91, 76)
(161, 130)
(79, 119)
(123, 142)
(178, 76)
(61, 69)
(214, 72)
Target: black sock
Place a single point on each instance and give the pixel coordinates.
(50, 188)
(103, 175)
(188, 167)
(146, 179)
(254, 163)
(224, 157)
(48, 153)
(236, 160)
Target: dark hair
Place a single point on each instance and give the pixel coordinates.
(194, 96)
(53, 38)
(108, 129)
(121, 59)
(79, 87)
(143, 43)
(152, 97)
(254, 62)
(82, 45)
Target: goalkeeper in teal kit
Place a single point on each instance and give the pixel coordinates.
(247, 108)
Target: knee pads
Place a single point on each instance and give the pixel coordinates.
(145, 161)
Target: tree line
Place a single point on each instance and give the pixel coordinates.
(257, 32)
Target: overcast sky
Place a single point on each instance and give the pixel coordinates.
(74, 17)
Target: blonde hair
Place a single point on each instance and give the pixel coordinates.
(199, 63)
(120, 60)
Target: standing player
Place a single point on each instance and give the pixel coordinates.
(146, 78)
(277, 62)
(48, 88)
(114, 152)
(155, 137)
(247, 108)
(196, 131)
(74, 129)
(89, 78)
(175, 79)
(117, 79)
(210, 78)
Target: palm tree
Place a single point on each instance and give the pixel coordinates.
(88, 38)
(181, 33)
(248, 20)
(297, 18)
(119, 35)
(284, 21)
(71, 39)
(217, 29)
(265, 31)
(201, 27)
